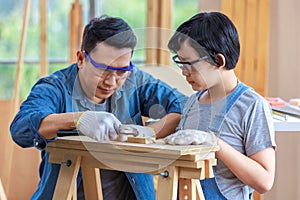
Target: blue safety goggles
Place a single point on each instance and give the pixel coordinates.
(102, 66)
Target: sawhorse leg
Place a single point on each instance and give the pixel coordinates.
(91, 183)
(67, 178)
(190, 189)
(167, 186)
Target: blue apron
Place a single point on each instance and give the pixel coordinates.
(209, 185)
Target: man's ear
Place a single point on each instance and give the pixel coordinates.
(222, 60)
(80, 58)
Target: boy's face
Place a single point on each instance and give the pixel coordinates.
(200, 75)
(97, 83)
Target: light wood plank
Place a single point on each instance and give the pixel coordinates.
(151, 32)
(227, 7)
(165, 25)
(43, 39)
(189, 173)
(2, 193)
(263, 47)
(250, 42)
(209, 173)
(200, 195)
(239, 19)
(75, 30)
(158, 149)
(15, 101)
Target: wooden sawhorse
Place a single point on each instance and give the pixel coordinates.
(176, 164)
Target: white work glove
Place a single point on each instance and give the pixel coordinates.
(100, 126)
(191, 136)
(136, 130)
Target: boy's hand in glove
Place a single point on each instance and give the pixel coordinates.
(101, 126)
(190, 136)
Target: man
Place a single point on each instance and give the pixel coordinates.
(96, 95)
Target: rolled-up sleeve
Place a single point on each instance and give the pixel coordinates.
(44, 99)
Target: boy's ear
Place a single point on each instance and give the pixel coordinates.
(222, 60)
(80, 58)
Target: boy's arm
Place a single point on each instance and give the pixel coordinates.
(166, 125)
(257, 171)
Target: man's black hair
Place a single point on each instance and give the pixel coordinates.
(113, 31)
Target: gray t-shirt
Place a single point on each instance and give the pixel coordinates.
(248, 127)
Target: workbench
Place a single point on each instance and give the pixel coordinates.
(179, 166)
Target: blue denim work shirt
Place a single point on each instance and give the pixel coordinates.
(140, 95)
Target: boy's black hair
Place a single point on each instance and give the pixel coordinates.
(212, 31)
(113, 31)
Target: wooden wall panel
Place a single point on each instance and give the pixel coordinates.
(75, 31)
(24, 175)
(158, 26)
(251, 18)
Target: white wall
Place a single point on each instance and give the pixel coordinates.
(284, 82)
(284, 69)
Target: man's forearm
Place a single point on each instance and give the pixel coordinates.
(51, 124)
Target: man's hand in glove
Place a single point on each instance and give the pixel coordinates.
(101, 126)
(190, 136)
(136, 130)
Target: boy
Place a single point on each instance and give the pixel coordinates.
(207, 48)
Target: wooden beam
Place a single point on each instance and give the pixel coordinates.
(15, 102)
(75, 29)
(2, 193)
(43, 39)
(159, 26)
(151, 33)
(165, 25)
(251, 18)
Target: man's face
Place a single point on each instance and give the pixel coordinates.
(98, 83)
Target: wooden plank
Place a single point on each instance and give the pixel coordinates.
(227, 8)
(43, 39)
(140, 140)
(165, 25)
(91, 183)
(239, 21)
(167, 186)
(200, 156)
(151, 32)
(15, 102)
(251, 18)
(74, 190)
(209, 173)
(189, 173)
(75, 29)
(127, 161)
(250, 43)
(263, 28)
(159, 149)
(67, 177)
(107, 160)
(2, 193)
(200, 195)
(197, 164)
